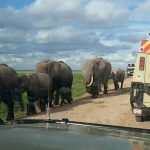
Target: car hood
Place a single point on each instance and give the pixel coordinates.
(55, 135)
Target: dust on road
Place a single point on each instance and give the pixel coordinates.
(113, 109)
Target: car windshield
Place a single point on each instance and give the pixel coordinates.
(79, 60)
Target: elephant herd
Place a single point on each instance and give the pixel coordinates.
(51, 80)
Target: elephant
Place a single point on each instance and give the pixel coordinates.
(61, 75)
(38, 87)
(9, 90)
(65, 93)
(96, 71)
(118, 76)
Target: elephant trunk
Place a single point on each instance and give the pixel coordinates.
(90, 82)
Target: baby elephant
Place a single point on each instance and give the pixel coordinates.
(118, 76)
(66, 96)
(38, 87)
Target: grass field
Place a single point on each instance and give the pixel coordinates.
(78, 89)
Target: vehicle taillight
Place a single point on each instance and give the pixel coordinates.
(141, 63)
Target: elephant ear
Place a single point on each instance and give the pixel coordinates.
(97, 61)
(96, 64)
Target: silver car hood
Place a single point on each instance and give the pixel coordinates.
(67, 135)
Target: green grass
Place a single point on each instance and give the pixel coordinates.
(21, 72)
(78, 89)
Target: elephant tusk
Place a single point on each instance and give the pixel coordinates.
(91, 81)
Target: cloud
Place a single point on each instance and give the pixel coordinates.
(45, 14)
(71, 31)
(142, 11)
(105, 14)
(12, 18)
(88, 14)
(12, 36)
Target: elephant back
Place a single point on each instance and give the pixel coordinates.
(120, 75)
(42, 67)
(65, 69)
(105, 65)
(105, 69)
(8, 76)
(58, 71)
(47, 66)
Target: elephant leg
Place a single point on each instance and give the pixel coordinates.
(56, 102)
(62, 102)
(100, 88)
(30, 106)
(95, 91)
(1, 122)
(69, 100)
(50, 99)
(42, 105)
(31, 109)
(121, 85)
(116, 85)
(105, 89)
(10, 114)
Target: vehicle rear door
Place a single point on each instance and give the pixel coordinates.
(146, 99)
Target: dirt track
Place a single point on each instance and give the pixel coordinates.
(113, 109)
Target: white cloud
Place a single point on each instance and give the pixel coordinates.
(12, 36)
(121, 59)
(12, 18)
(142, 11)
(49, 6)
(50, 13)
(67, 36)
(71, 31)
(97, 10)
(105, 14)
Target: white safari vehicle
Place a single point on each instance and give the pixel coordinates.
(140, 86)
(130, 70)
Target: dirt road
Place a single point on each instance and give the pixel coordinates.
(113, 109)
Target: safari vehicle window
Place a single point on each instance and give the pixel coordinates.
(78, 60)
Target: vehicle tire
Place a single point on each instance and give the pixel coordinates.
(139, 118)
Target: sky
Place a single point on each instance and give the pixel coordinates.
(72, 31)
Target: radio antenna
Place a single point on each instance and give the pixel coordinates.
(48, 104)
